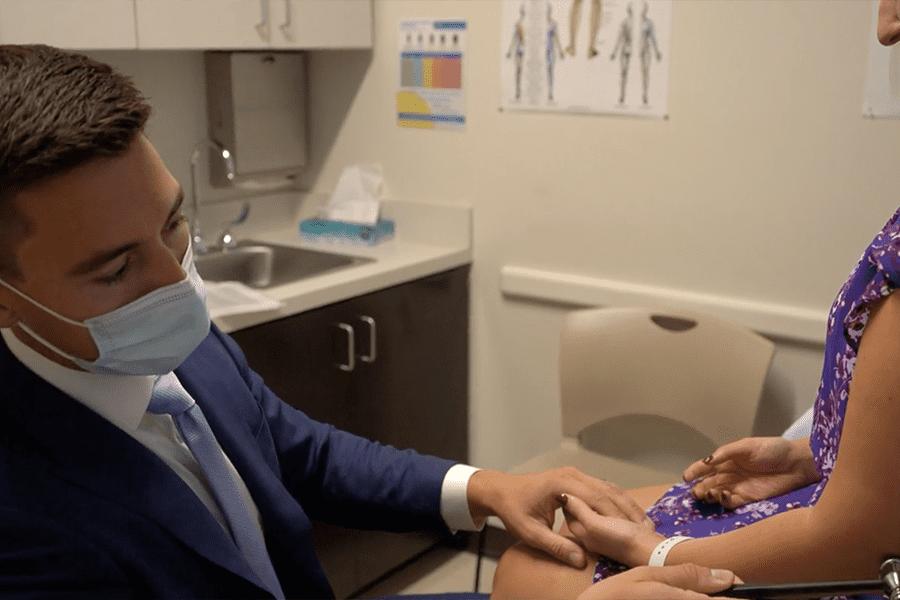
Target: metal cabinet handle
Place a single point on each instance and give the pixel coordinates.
(371, 356)
(351, 349)
(286, 26)
(262, 28)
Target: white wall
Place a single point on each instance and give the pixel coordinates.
(764, 184)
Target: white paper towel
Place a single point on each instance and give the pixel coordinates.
(356, 199)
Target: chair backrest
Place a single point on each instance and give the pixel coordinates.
(692, 368)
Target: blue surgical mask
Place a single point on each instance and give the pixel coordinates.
(150, 336)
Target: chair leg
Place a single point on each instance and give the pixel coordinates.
(482, 540)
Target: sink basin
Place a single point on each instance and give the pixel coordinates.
(261, 265)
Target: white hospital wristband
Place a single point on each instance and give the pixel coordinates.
(658, 557)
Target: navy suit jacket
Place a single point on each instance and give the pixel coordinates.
(87, 511)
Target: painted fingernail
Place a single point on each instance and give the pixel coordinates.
(563, 500)
(709, 496)
(708, 459)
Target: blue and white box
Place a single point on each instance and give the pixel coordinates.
(353, 233)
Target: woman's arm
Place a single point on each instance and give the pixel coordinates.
(856, 523)
(853, 527)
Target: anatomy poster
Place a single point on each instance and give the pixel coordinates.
(586, 56)
(431, 93)
(882, 93)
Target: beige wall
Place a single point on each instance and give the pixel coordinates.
(764, 184)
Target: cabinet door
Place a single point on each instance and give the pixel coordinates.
(310, 24)
(72, 24)
(298, 357)
(414, 394)
(221, 24)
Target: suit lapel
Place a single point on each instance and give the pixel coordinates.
(236, 418)
(92, 453)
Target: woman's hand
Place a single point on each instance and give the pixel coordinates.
(680, 582)
(618, 539)
(752, 469)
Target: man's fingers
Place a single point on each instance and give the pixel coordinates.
(578, 508)
(598, 532)
(614, 502)
(561, 548)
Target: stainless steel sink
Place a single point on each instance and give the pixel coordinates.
(261, 265)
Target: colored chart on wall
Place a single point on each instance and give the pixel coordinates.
(431, 93)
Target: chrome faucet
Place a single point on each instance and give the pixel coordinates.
(226, 240)
(200, 246)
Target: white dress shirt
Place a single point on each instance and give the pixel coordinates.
(123, 400)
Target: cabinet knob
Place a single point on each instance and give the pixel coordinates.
(351, 348)
(370, 358)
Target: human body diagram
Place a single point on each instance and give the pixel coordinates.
(648, 48)
(575, 23)
(623, 50)
(550, 49)
(517, 49)
(554, 47)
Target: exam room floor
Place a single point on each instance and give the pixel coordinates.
(445, 569)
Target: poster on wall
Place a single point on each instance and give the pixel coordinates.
(430, 93)
(882, 94)
(586, 56)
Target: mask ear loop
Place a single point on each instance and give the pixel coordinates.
(42, 307)
(78, 361)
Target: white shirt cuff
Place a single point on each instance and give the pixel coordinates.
(455, 503)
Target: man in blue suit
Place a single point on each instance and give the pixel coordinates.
(103, 495)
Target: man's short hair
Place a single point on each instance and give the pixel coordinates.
(58, 111)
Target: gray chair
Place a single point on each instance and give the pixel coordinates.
(646, 391)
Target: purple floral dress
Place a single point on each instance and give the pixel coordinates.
(875, 276)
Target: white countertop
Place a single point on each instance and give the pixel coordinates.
(429, 239)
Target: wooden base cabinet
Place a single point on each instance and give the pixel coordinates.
(402, 380)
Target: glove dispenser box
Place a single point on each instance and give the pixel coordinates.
(256, 108)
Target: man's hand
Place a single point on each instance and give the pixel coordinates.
(680, 582)
(527, 504)
(752, 469)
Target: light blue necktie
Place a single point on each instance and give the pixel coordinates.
(171, 398)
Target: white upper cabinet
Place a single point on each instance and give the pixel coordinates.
(321, 23)
(202, 23)
(71, 24)
(244, 24)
